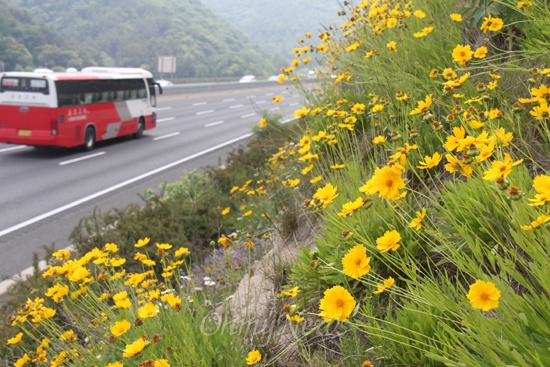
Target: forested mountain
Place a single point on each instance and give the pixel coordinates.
(135, 32)
(278, 25)
(26, 43)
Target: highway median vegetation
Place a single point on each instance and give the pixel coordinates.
(412, 192)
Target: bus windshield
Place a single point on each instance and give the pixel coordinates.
(23, 84)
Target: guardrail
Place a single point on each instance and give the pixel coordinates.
(194, 88)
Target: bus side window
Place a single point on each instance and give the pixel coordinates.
(88, 98)
(142, 93)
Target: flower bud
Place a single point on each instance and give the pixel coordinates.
(314, 264)
(502, 183)
(347, 235)
(515, 193)
(518, 107)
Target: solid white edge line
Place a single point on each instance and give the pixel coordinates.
(167, 136)
(81, 158)
(118, 186)
(13, 148)
(203, 112)
(237, 106)
(214, 123)
(199, 104)
(249, 115)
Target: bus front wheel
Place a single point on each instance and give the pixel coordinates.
(89, 139)
(140, 128)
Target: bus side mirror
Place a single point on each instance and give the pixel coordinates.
(159, 87)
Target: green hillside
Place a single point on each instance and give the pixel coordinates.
(136, 32)
(278, 25)
(26, 43)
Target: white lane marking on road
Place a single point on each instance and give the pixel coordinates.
(236, 106)
(166, 136)
(118, 186)
(199, 103)
(81, 158)
(214, 123)
(275, 108)
(163, 108)
(249, 115)
(204, 112)
(12, 148)
(166, 119)
(293, 104)
(228, 100)
(260, 102)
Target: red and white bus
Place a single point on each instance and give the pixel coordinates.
(70, 109)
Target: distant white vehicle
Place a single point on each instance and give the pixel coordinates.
(248, 79)
(165, 83)
(274, 78)
(311, 74)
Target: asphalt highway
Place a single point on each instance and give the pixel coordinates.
(44, 192)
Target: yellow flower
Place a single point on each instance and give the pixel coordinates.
(253, 357)
(430, 162)
(281, 78)
(382, 287)
(57, 292)
(294, 319)
(416, 223)
(22, 361)
(377, 108)
(501, 168)
(307, 169)
(316, 179)
(62, 255)
(163, 246)
(291, 182)
(301, 112)
(277, 99)
(161, 363)
(524, 4)
(355, 262)
(338, 166)
(16, 339)
(386, 181)
(462, 54)
(171, 299)
(292, 292)
(111, 247)
(337, 304)
(225, 211)
(541, 219)
(541, 112)
(491, 24)
(480, 52)
(392, 22)
(79, 274)
(419, 14)
(325, 194)
(389, 241)
(142, 242)
(424, 32)
(422, 105)
(392, 46)
(181, 252)
(115, 364)
(147, 311)
(263, 122)
(456, 17)
(380, 139)
(135, 348)
(449, 74)
(120, 327)
(541, 184)
(483, 295)
(352, 206)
